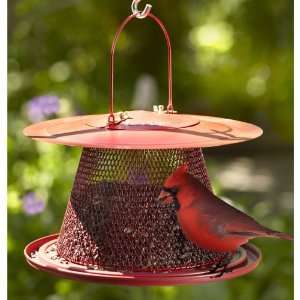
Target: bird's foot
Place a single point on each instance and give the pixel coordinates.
(214, 269)
(224, 270)
(222, 266)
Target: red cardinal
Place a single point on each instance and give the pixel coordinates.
(206, 220)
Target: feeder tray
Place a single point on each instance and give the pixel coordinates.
(42, 255)
(114, 229)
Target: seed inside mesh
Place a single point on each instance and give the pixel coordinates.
(114, 221)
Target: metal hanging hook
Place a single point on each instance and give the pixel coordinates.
(140, 14)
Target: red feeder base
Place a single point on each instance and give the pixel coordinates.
(41, 255)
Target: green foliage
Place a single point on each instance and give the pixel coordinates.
(232, 58)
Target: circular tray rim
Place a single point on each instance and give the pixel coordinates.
(208, 132)
(239, 268)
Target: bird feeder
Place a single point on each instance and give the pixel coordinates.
(114, 229)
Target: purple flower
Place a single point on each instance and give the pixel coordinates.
(32, 204)
(39, 108)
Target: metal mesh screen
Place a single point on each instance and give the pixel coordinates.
(113, 220)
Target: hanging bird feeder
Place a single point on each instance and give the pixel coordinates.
(114, 230)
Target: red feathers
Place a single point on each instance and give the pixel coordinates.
(208, 221)
(177, 176)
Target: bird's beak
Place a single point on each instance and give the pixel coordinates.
(165, 197)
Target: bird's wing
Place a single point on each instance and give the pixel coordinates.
(230, 220)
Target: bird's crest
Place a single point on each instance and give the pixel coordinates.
(176, 176)
(182, 169)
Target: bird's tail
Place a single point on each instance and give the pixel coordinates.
(279, 235)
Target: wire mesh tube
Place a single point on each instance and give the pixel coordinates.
(114, 221)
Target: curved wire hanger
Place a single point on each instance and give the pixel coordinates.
(140, 15)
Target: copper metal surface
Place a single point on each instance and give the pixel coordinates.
(147, 130)
(42, 255)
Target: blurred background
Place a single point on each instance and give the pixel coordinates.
(232, 58)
